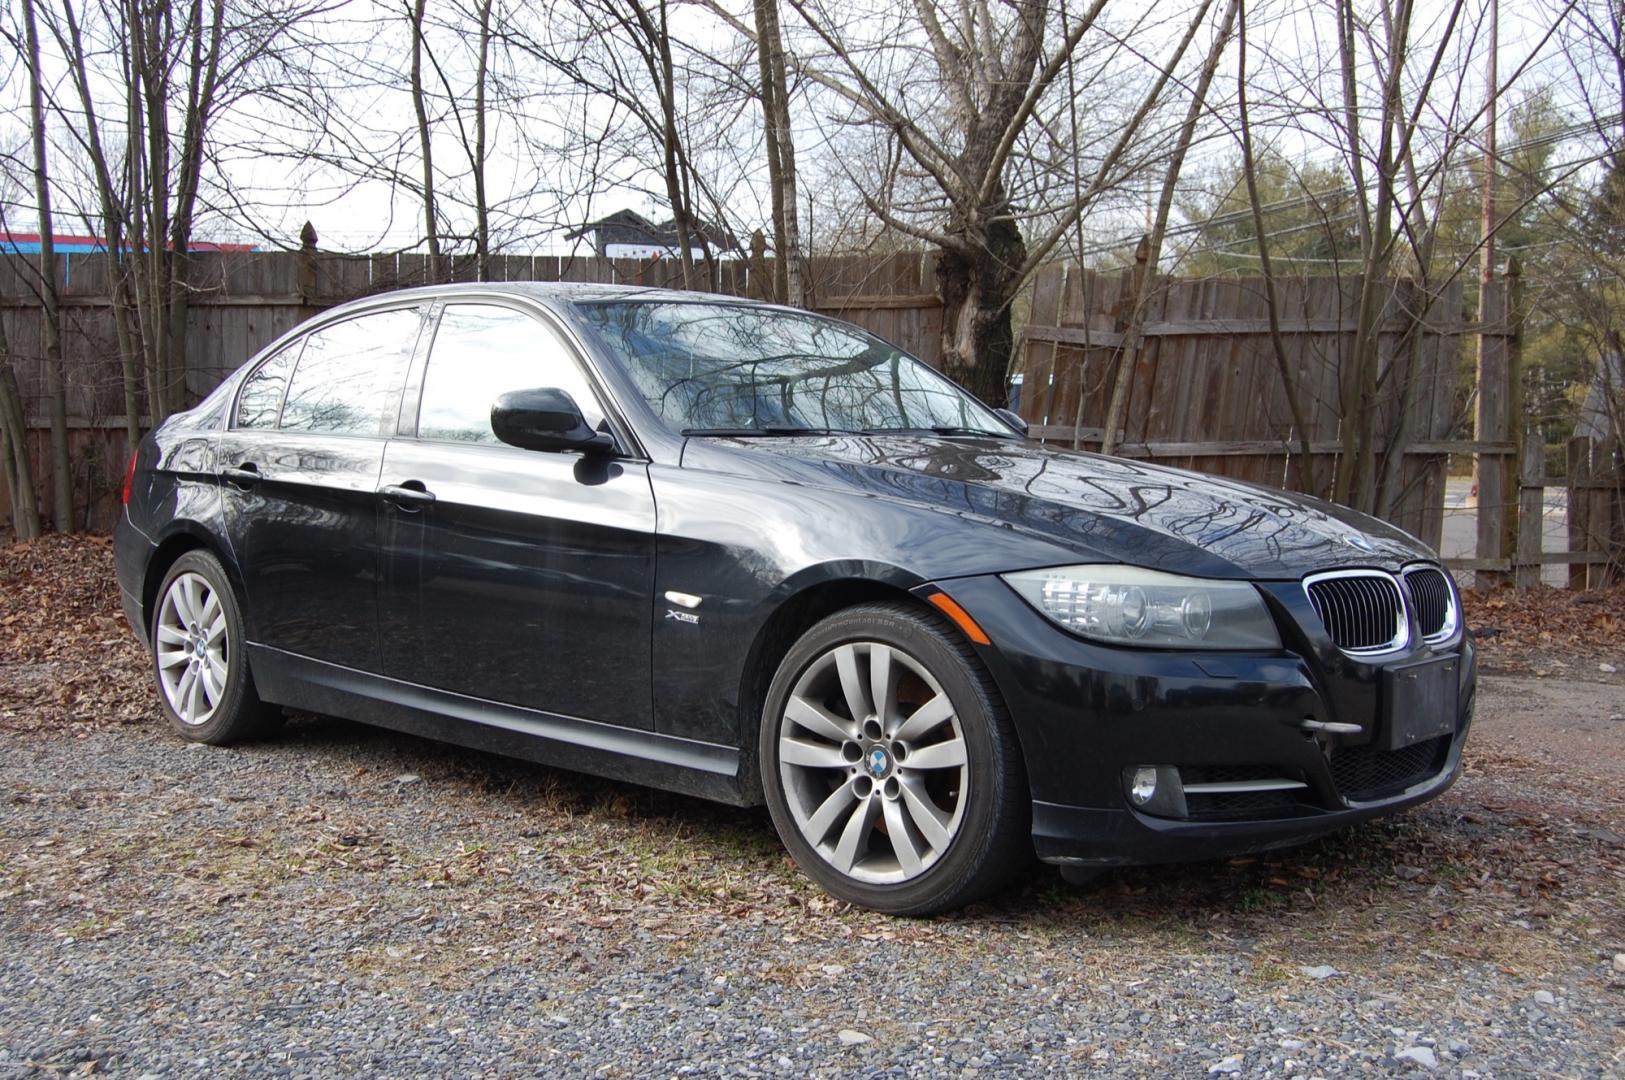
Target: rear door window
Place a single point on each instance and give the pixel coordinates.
(348, 381)
(482, 351)
(261, 399)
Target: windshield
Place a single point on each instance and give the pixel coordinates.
(735, 369)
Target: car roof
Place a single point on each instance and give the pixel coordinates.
(574, 292)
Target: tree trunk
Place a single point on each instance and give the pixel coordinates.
(56, 392)
(202, 79)
(666, 80)
(1308, 479)
(781, 156)
(482, 221)
(977, 282)
(128, 351)
(19, 472)
(113, 213)
(1145, 289)
(431, 229)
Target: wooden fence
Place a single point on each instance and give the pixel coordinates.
(1205, 390)
(241, 302)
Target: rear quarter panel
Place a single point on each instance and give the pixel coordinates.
(174, 503)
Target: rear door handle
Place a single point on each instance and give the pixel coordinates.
(411, 495)
(245, 475)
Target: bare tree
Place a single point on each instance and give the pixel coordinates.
(625, 58)
(781, 154)
(1165, 202)
(15, 468)
(471, 122)
(431, 221)
(56, 396)
(177, 68)
(1392, 98)
(953, 96)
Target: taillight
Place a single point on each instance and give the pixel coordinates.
(129, 475)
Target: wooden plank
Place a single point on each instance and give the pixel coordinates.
(1064, 433)
(1531, 512)
(879, 302)
(1485, 447)
(1226, 327)
(1072, 335)
(1492, 422)
(1220, 447)
(201, 300)
(1572, 558)
(1577, 561)
(1479, 566)
(1036, 392)
(1579, 504)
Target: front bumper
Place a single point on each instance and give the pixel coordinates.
(1085, 713)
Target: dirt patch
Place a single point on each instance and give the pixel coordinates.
(1545, 632)
(67, 654)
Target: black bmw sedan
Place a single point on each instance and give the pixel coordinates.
(758, 555)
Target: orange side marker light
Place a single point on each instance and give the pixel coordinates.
(961, 618)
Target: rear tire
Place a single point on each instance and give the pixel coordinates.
(204, 685)
(890, 766)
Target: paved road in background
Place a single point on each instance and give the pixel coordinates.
(1461, 527)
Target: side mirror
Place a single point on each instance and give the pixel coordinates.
(545, 419)
(1013, 419)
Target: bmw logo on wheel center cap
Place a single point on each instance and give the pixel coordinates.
(878, 762)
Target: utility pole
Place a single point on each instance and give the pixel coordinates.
(1490, 163)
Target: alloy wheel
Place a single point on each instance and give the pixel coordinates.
(193, 648)
(873, 763)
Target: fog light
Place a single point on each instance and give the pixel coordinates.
(1155, 789)
(1142, 787)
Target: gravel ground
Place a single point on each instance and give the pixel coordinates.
(347, 900)
(351, 901)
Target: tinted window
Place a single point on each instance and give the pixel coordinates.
(727, 367)
(349, 378)
(481, 351)
(261, 399)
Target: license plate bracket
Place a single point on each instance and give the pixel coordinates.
(1420, 701)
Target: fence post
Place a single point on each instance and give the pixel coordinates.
(1493, 471)
(1130, 321)
(307, 268)
(1579, 482)
(1531, 510)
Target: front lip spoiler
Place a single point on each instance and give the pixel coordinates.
(1089, 836)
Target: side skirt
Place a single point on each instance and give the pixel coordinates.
(706, 770)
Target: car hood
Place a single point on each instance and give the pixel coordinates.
(1103, 508)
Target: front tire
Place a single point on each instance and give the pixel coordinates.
(890, 767)
(197, 638)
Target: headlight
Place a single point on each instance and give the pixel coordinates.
(1127, 605)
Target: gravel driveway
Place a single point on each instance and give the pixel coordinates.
(345, 900)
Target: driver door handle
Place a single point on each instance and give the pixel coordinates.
(245, 475)
(411, 495)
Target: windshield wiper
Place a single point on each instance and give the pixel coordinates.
(771, 429)
(942, 429)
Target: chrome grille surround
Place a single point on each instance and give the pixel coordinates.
(1438, 610)
(1363, 610)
